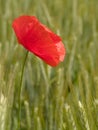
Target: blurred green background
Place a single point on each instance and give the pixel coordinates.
(61, 98)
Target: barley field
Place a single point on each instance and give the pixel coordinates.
(52, 98)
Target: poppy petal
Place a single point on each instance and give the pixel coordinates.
(39, 40)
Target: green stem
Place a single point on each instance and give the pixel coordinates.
(20, 90)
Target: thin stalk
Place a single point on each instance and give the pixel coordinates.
(20, 90)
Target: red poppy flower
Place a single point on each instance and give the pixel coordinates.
(38, 39)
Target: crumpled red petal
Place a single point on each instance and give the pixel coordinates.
(38, 39)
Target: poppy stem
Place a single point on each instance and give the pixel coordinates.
(20, 90)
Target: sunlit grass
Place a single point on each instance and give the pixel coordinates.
(61, 98)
